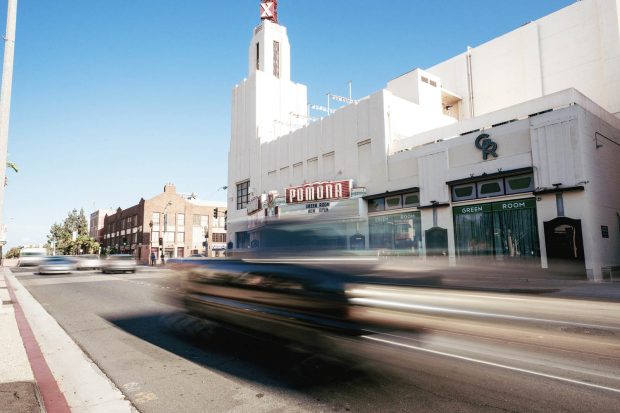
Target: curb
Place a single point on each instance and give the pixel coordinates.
(53, 399)
(80, 382)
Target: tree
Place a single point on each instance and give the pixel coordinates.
(13, 167)
(13, 252)
(62, 234)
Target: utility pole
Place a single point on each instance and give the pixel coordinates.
(5, 93)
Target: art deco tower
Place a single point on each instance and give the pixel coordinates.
(265, 106)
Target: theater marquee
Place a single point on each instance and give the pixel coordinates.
(318, 191)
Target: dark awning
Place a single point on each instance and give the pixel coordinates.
(499, 174)
(436, 204)
(391, 193)
(542, 191)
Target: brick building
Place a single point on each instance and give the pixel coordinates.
(182, 222)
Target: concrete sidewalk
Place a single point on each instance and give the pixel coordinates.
(18, 389)
(493, 277)
(41, 367)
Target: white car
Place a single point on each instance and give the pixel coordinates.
(118, 263)
(87, 262)
(31, 257)
(56, 264)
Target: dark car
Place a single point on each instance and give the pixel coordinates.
(289, 301)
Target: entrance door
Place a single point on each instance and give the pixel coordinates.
(436, 241)
(565, 246)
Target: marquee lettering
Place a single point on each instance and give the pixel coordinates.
(318, 191)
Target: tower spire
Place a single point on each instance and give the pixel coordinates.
(269, 10)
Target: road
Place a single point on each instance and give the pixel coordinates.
(512, 359)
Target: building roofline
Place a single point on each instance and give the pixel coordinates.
(524, 110)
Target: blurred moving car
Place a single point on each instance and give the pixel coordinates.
(290, 302)
(31, 257)
(87, 262)
(56, 264)
(118, 263)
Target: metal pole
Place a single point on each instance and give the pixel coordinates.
(5, 93)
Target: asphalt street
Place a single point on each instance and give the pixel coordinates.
(515, 353)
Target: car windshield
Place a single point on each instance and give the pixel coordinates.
(58, 259)
(32, 254)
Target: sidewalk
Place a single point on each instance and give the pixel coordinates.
(41, 368)
(18, 389)
(519, 279)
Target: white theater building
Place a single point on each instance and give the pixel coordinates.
(508, 151)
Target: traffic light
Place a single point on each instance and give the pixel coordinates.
(124, 242)
(161, 241)
(215, 213)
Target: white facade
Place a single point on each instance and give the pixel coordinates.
(547, 94)
(575, 47)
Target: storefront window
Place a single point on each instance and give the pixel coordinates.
(395, 231)
(376, 205)
(243, 239)
(411, 200)
(463, 192)
(393, 202)
(502, 229)
(522, 183)
(490, 188)
(496, 187)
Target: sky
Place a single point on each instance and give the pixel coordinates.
(113, 99)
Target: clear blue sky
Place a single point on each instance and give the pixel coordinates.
(112, 99)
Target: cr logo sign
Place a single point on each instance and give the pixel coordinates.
(486, 145)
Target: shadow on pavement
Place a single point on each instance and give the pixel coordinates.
(247, 357)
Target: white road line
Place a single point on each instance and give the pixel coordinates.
(395, 305)
(294, 260)
(489, 363)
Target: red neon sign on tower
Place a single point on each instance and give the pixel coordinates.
(269, 10)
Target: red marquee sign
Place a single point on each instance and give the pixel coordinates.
(318, 191)
(269, 10)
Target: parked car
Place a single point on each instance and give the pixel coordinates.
(56, 264)
(118, 263)
(87, 262)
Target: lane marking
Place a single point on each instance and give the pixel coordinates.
(498, 365)
(510, 353)
(394, 305)
(294, 260)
